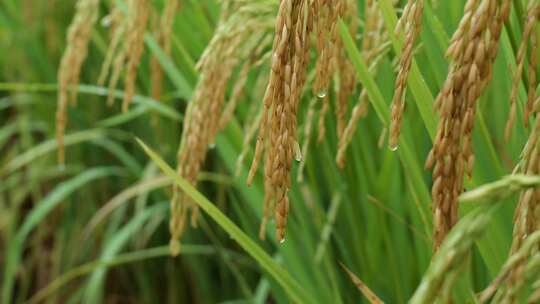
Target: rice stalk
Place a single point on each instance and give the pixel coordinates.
(278, 123)
(514, 261)
(78, 37)
(472, 51)
(528, 35)
(410, 22)
(249, 134)
(236, 37)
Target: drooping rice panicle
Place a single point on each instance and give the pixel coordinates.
(163, 37)
(325, 28)
(528, 35)
(359, 110)
(345, 69)
(240, 83)
(340, 63)
(73, 58)
(135, 44)
(533, 61)
(472, 51)
(278, 123)
(115, 20)
(128, 25)
(374, 46)
(235, 40)
(411, 24)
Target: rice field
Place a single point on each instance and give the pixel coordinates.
(265, 151)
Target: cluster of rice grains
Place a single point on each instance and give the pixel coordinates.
(73, 58)
(240, 37)
(126, 47)
(290, 54)
(328, 47)
(472, 51)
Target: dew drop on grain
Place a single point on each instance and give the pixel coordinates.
(211, 146)
(297, 152)
(393, 147)
(321, 94)
(282, 241)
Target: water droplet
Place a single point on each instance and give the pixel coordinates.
(297, 152)
(106, 21)
(393, 147)
(282, 241)
(211, 145)
(321, 94)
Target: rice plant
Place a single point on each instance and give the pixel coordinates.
(265, 151)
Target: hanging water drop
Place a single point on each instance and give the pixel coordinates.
(321, 94)
(393, 147)
(282, 241)
(297, 152)
(211, 146)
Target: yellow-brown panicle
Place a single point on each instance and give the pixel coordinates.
(70, 66)
(278, 122)
(472, 50)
